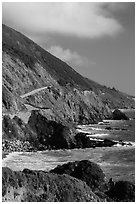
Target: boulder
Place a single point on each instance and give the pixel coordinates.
(51, 133)
(118, 115)
(122, 191)
(82, 141)
(84, 170)
(108, 143)
(40, 186)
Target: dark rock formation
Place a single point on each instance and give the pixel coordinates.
(108, 128)
(122, 191)
(79, 181)
(50, 133)
(41, 134)
(84, 170)
(39, 186)
(82, 141)
(118, 115)
(108, 143)
(94, 177)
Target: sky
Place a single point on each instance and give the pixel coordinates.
(96, 38)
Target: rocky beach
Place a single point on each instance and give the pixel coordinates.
(48, 161)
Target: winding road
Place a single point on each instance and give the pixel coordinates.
(33, 92)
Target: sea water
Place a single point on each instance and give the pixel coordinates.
(117, 162)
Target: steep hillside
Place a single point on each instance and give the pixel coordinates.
(38, 87)
(35, 79)
(21, 48)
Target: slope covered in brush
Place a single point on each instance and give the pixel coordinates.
(35, 79)
(39, 88)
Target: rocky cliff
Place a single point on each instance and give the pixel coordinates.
(34, 81)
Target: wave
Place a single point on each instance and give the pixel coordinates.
(98, 135)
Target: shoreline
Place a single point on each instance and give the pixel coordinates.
(106, 158)
(4, 155)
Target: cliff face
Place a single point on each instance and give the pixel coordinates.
(34, 79)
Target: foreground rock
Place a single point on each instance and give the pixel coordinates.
(84, 170)
(39, 186)
(118, 115)
(94, 177)
(79, 181)
(122, 191)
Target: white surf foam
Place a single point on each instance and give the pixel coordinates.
(98, 135)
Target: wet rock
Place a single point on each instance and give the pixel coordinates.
(108, 143)
(82, 141)
(108, 128)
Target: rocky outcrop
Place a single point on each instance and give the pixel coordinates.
(122, 191)
(79, 181)
(50, 133)
(39, 134)
(84, 170)
(118, 115)
(39, 186)
(82, 141)
(92, 174)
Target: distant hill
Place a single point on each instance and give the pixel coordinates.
(112, 97)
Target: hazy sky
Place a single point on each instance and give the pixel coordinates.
(96, 39)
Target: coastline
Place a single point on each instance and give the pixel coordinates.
(106, 158)
(111, 159)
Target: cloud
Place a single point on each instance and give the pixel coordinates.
(71, 57)
(79, 19)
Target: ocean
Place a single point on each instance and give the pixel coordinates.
(117, 162)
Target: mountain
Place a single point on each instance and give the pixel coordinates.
(37, 87)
